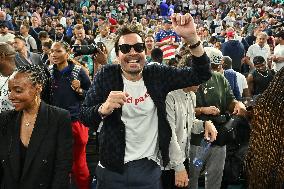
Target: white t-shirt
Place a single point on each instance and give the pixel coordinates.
(242, 82)
(5, 103)
(255, 50)
(139, 114)
(8, 38)
(278, 51)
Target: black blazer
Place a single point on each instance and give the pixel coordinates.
(48, 159)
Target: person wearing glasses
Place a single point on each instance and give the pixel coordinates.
(129, 99)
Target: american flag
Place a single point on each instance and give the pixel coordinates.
(166, 36)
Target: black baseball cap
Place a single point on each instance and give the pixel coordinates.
(258, 60)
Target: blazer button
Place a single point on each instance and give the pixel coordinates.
(2, 161)
(44, 161)
(41, 185)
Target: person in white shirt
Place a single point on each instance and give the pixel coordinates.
(5, 36)
(278, 56)
(180, 106)
(260, 48)
(7, 61)
(105, 37)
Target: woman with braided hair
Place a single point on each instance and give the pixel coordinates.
(35, 138)
(265, 158)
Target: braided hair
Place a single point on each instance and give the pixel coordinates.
(265, 159)
(37, 74)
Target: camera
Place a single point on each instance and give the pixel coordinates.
(85, 49)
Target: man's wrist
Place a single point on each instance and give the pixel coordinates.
(192, 40)
(101, 111)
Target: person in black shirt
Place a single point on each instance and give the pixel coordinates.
(259, 79)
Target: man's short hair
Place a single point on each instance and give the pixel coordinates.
(125, 31)
(227, 62)
(59, 26)
(262, 34)
(149, 35)
(157, 55)
(20, 37)
(43, 34)
(47, 44)
(6, 49)
(78, 27)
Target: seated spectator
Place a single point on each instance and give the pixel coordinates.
(30, 41)
(43, 36)
(23, 55)
(5, 36)
(3, 18)
(46, 46)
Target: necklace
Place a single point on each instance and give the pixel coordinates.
(31, 121)
(4, 85)
(262, 74)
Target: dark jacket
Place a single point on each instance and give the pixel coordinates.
(159, 80)
(48, 160)
(236, 51)
(62, 95)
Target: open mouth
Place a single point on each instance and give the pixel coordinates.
(133, 61)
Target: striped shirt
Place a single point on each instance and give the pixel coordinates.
(166, 36)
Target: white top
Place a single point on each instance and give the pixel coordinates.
(139, 114)
(255, 50)
(278, 52)
(31, 43)
(8, 38)
(5, 103)
(180, 108)
(108, 41)
(242, 82)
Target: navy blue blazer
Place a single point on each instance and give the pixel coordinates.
(48, 160)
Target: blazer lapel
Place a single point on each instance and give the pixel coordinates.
(14, 148)
(41, 127)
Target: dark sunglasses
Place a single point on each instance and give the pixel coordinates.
(138, 47)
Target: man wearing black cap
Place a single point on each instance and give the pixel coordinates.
(5, 36)
(278, 56)
(259, 79)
